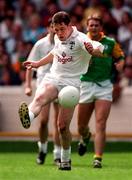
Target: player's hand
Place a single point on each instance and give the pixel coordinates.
(28, 91)
(119, 66)
(89, 47)
(30, 64)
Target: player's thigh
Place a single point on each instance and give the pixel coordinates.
(84, 113)
(102, 109)
(46, 91)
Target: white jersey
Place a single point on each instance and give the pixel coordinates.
(71, 59)
(41, 48)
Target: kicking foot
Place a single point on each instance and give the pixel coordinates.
(24, 115)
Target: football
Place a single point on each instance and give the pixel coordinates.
(69, 96)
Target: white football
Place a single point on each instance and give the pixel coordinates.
(69, 96)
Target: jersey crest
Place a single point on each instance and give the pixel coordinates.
(72, 44)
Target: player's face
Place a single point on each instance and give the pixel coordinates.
(63, 31)
(94, 28)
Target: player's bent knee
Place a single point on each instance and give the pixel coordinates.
(38, 99)
(62, 130)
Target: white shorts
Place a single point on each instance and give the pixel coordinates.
(90, 91)
(58, 83)
(39, 79)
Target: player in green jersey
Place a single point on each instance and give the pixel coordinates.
(96, 89)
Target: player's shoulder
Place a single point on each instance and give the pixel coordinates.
(82, 35)
(41, 41)
(77, 34)
(110, 39)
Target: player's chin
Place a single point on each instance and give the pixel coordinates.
(61, 38)
(94, 33)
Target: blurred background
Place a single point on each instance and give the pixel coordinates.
(23, 22)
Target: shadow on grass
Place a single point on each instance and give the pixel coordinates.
(31, 146)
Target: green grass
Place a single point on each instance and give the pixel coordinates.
(17, 162)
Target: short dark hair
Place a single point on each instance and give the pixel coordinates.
(95, 17)
(49, 22)
(61, 17)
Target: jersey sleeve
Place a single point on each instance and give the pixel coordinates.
(53, 51)
(34, 54)
(98, 45)
(95, 44)
(82, 38)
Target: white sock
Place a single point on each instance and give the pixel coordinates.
(31, 115)
(43, 146)
(65, 154)
(57, 152)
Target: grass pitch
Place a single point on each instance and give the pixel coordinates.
(18, 162)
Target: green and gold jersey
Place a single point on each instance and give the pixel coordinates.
(100, 68)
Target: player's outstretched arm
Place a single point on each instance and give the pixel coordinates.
(35, 64)
(93, 51)
(97, 53)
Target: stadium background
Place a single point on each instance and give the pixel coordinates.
(23, 22)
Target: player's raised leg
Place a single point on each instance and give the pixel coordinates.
(44, 95)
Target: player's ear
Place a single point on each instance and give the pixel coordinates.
(101, 28)
(70, 24)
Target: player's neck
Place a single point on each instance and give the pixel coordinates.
(97, 37)
(70, 32)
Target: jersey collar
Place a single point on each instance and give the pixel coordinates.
(73, 34)
(101, 36)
